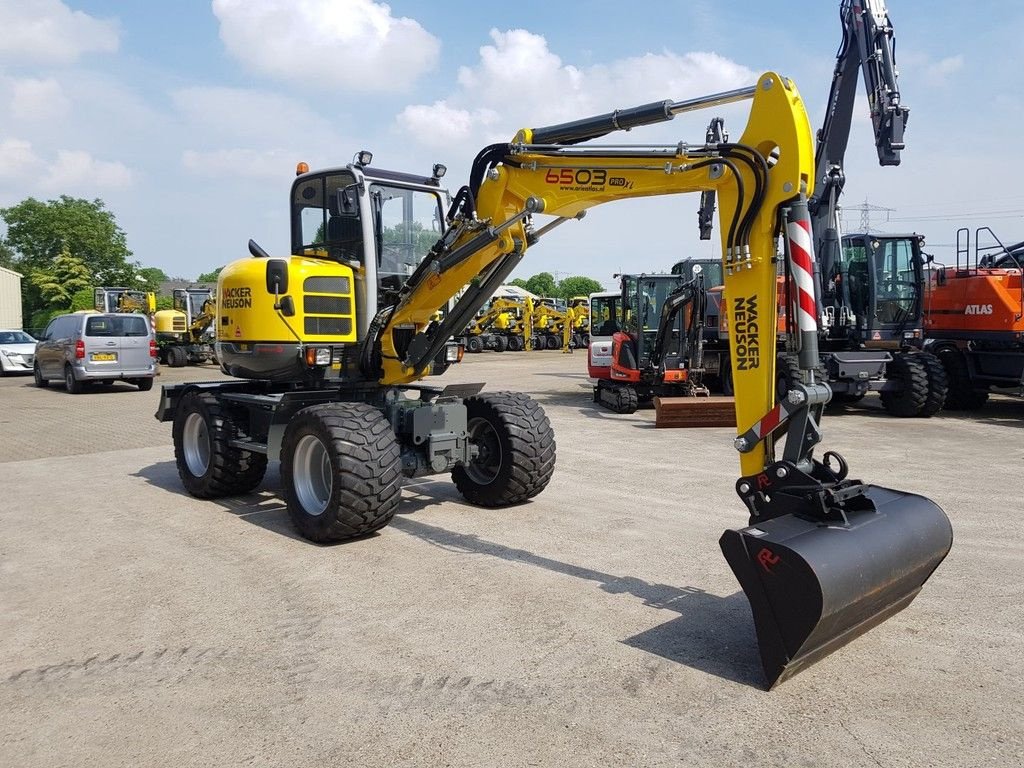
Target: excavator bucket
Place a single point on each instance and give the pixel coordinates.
(814, 586)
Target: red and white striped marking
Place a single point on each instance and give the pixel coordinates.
(803, 274)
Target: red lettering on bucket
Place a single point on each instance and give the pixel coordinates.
(767, 559)
(763, 481)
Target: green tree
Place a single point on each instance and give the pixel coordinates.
(209, 277)
(542, 284)
(7, 255)
(82, 299)
(39, 232)
(57, 284)
(151, 279)
(578, 285)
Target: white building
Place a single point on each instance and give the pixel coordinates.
(10, 299)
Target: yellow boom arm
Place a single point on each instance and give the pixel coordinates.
(556, 172)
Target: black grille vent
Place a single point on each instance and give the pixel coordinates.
(325, 285)
(326, 305)
(328, 326)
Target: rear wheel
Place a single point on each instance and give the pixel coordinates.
(37, 374)
(177, 357)
(961, 394)
(516, 450)
(71, 384)
(515, 344)
(551, 342)
(474, 344)
(144, 385)
(912, 396)
(341, 469)
(938, 383)
(207, 463)
(500, 343)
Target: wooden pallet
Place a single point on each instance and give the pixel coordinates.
(695, 412)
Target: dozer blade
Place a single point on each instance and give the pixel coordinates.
(694, 412)
(815, 586)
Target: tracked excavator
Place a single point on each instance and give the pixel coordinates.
(656, 346)
(325, 349)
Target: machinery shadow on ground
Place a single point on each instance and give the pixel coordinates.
(712, 634)
(263, 507)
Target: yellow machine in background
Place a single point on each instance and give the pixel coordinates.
(503, 325)
(106, 299)
(328, 346)
(185, 333)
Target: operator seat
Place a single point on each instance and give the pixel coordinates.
(345, 238)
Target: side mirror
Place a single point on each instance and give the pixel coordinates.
(348, 203)
(277, 276)
(287, 306)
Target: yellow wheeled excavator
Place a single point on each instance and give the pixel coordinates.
(325, 347)
(185, 334)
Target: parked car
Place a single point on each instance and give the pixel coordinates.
(83, 348)
(17, 350)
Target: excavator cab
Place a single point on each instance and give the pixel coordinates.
(879, 278)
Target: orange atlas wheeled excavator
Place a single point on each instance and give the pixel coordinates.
(974, 319)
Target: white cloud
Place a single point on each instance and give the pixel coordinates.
(48, 31)
(67, 170)
(325, 44)
(240, 163)
(549, 91)
(939, 71)
(77, 169)
(39, 100)
(17, 159)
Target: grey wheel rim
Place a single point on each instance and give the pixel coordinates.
(196, 444)
(484, 469)
(312, 475)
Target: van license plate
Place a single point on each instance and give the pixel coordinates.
(103, 357)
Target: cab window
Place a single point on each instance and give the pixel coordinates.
(408, 224)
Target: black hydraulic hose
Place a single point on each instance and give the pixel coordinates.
(759, 168)
(487, 157)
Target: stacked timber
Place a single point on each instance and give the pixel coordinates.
(695, 412)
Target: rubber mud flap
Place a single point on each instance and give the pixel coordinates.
(815, 586)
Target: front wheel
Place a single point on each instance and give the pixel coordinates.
(961, 394)
(515, 450)
(208, 465)
(37, 374)
(341, 470)
(912, 396)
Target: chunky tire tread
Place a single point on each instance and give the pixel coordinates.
(961, 394)
(177, 357)
(366, 460)
(911, 400)
(528, 448)
(938, 384)
(232, 471)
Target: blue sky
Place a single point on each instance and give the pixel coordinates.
(187, 118)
